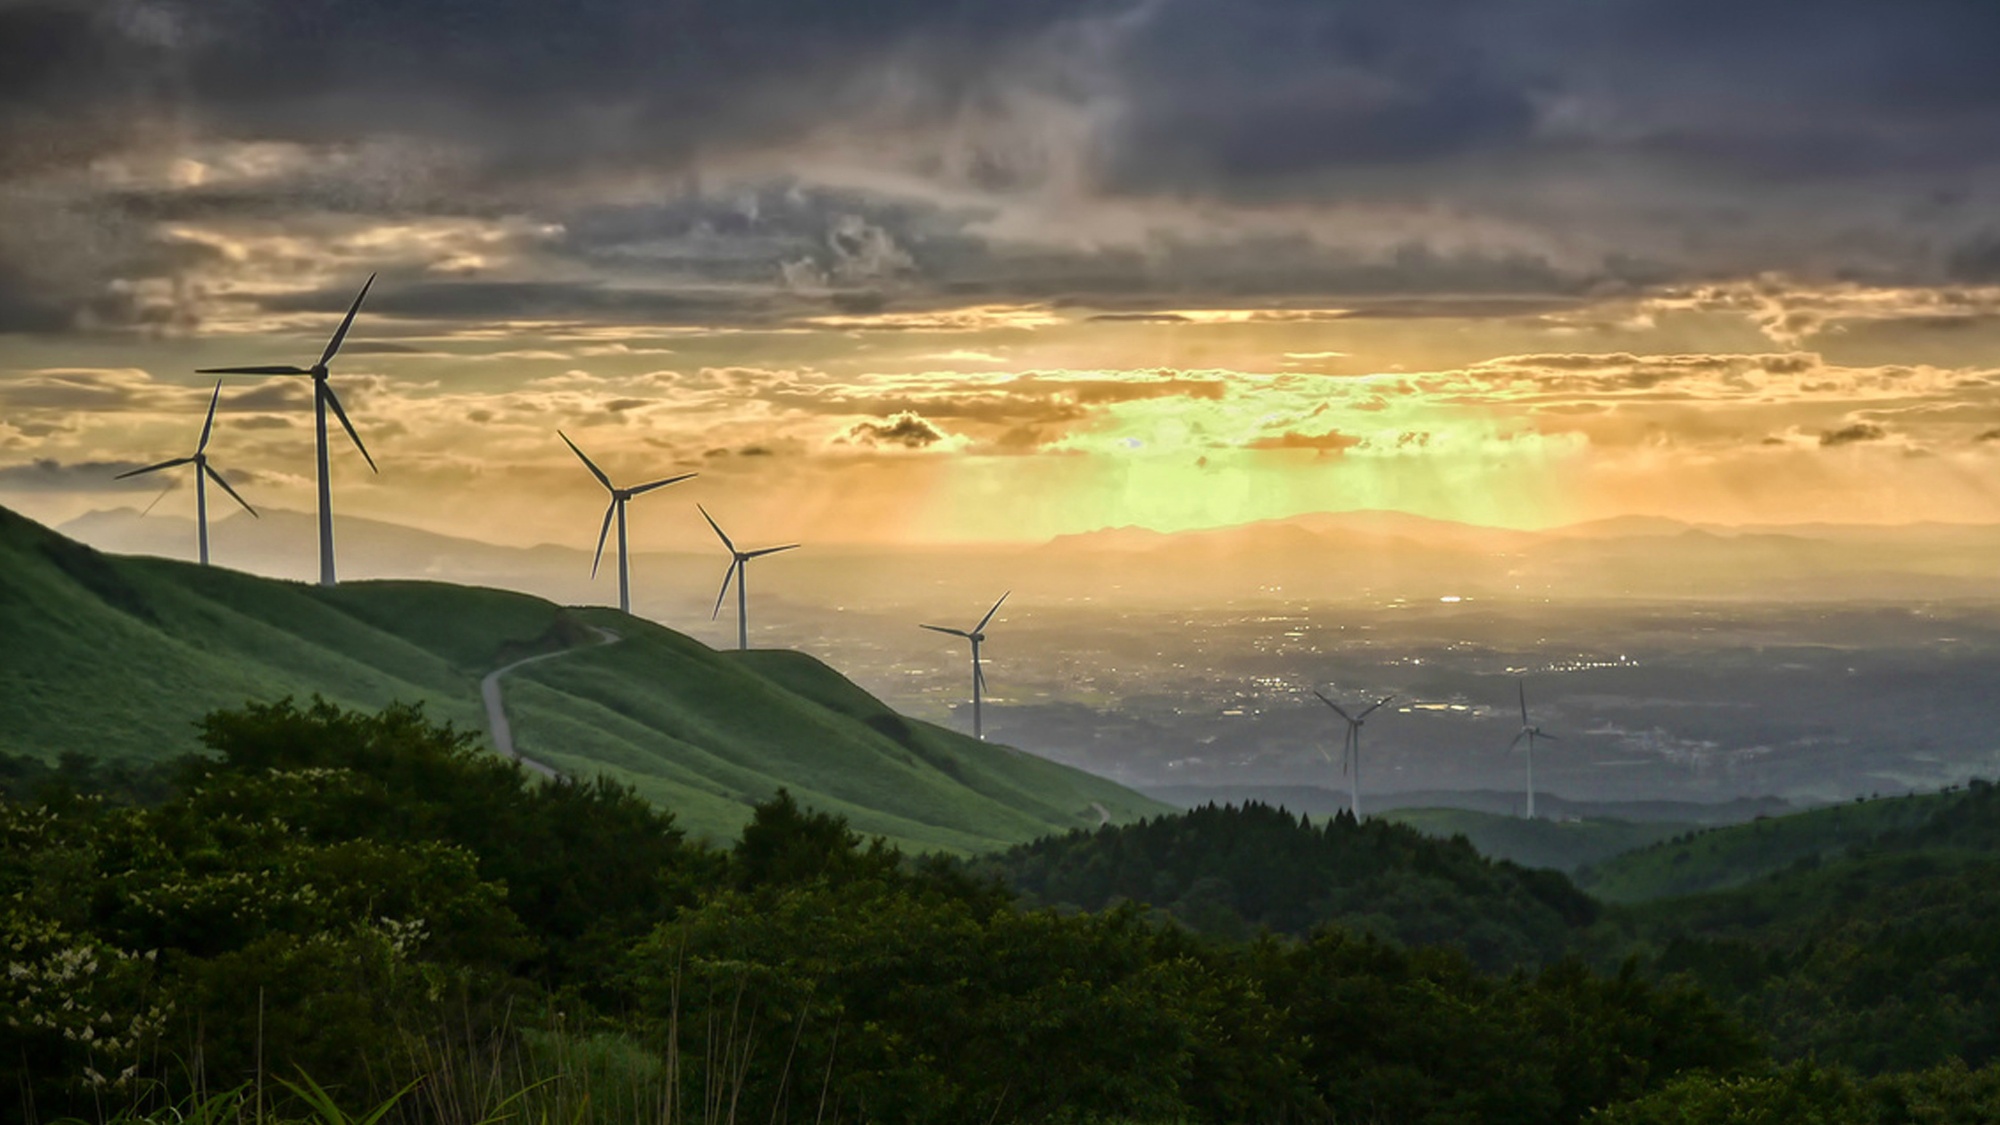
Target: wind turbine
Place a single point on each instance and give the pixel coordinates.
(323, 397)
(203, 472)
(976, 635)
(736, 572)
(1350, 748)
(617, 507)
(1530, 732)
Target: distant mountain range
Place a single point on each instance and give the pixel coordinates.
(1385, 555)
(1365, 555)
(119, 657)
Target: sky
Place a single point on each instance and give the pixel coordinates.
(918, 272)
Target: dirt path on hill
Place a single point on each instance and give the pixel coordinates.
(496, 712)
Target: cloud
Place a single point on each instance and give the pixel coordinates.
(908, 430)
(1849, 435)
(1332, 441)
(46, 474)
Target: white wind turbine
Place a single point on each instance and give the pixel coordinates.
(1530, 732)
(1350, 748)
(977, 635)
(323, 397)
(203, 473)
(617, 507)
(736, 571)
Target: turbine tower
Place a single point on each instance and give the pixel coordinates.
(203, 473)
(1530, 732)
(977, 635)
(736, 572)
(617, 507)
(1350, 749)
(323, 397)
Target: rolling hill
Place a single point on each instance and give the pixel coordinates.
(118, 656)
(1564, 845)
(1722, 858)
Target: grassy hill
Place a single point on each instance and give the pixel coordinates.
(1720, 858)
(1565, 845)
(117, 657)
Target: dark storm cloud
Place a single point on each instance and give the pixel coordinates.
(49, 475)
(1333, 441)
(908, 430)
(524, 300)
(1673, 140)
(1849, 435)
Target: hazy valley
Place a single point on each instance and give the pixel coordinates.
(1808, 663)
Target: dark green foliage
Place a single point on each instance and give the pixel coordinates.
(1419, 1036)
(1230, 870)
(1720, 858)
(362, 895)
(1809, 1094)
(1882, 955)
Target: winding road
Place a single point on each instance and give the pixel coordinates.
(496, 712)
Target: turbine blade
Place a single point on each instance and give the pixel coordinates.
(155, 468)
(981, 627)
(587, 462)
(942, 629)
(1547, 737)
(1346, 751)
(660, 484)
(157, 499)
(268, 369)
(609, 510)
(340, 333)
(979, 676)
(1517, 740)
(724, 592)
(1523, 688)
(770, 551)
(718, 529)
(1373, 706)
(333, 400)
(217, 478)
(1335, 706)
(210, 423)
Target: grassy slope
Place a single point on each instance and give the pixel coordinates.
(1721, 858)
(1565, 845)
(118, 657)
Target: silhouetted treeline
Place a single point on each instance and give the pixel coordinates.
(1230, 871)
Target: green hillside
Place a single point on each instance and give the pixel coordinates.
(117, 657)
(1877, 946)
(1565, 845)
(1720, 858)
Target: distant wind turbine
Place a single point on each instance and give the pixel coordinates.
(617, 507)
(1350, 748)
(736, 572)
(1530, 732)
(977, 635)
(203, 473)
(323, 397)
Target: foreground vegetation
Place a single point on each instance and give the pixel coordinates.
(372, 901)
(340, 911)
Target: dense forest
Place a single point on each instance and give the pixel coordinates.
(1230, 871)
(340, 910)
